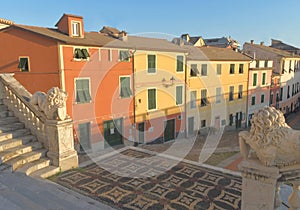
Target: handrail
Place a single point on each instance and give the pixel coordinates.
(14, 98)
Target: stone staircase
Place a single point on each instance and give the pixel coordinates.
(19, 149)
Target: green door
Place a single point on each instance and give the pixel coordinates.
(191, 126)
(85, 136)
(141, 129)
(113, 132)
(169, 132)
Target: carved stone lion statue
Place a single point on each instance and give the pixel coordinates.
(53, 104)
(272, 140)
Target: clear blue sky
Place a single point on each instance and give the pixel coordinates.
(243, 20)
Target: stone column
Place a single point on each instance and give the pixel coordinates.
(61, 144)
(259, 185)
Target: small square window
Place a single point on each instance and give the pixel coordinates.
(124, 55)
(23, 64)
(81, 53)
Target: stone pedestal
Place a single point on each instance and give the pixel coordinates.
(259, 185)
(61, 144)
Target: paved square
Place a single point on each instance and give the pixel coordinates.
(137, 180)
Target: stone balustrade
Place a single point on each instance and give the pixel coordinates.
(55, 135)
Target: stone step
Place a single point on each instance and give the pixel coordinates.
(14, 134)
(11, 143)
(46, 172)
(6, 113)
(19, 150)
(8, 120)
(3, 107)
(34, 166)
(11, 127)
(26, 158)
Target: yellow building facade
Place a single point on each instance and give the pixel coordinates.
(216, 89)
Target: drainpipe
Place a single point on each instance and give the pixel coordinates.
(185, 97)
(135, 143)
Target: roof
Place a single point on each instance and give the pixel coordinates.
(151, 44)
(88, 40)
(214, 54)
(98, 39)
(283, 46)
(221, 42)
(281, 53)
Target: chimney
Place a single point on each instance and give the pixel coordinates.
(123, 36)
(262, 43)
(185, 37)
(252, 41)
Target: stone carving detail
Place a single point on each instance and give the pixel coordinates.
(272, 140)
(53, 104)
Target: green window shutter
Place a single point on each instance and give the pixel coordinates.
(124, 55)
(179, 95)
(151, 99)
(151, 63)
(85, 53)
(78, 53)
(264, 79)
(179, 63)
(23, 64)
(254, 79)
(125, 91)
(253, 100)
(82, 91)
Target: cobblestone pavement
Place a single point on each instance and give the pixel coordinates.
(133, 179)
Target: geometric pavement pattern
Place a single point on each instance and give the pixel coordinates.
(182, 186)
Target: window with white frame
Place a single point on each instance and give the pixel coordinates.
(151, 60)
(203, 69)
(23, 64)
(81, 53)
(151, 98)
(179, 63)
(125, 90)
(124, 55)
(75, 28)
(179, 95)
(204, 100)
(218, 95)
(193, 99)
(83, 94)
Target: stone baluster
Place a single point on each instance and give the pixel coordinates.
(294, 198)
(278, 201)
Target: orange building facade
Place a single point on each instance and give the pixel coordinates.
(98, 81)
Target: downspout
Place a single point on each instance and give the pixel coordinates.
(135, 143)
(247, 98)
(185, 97)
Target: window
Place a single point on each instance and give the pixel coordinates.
(288, 91)
(219, 69)
(253, 100)
(241, 68)
(125, 90)
(262, 98)
(263, 82)
(179, 95)
(218, 95)
(240, 94)
(75, 28)
(193, 99)
(283, 67)
(266, 63)
(281, 94)
(204, 100)
(85, 136)
(83, 91)
(203, 123)
(271, 98)
(194, 70)
(81, 53)
(23, 64)
(231, 119)
(232, 66)
(231, 93)
(203, 69)
(257, 64)
(151, 99)
(179, 66)
(151, 63)
(254, 80)
(124, 55)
